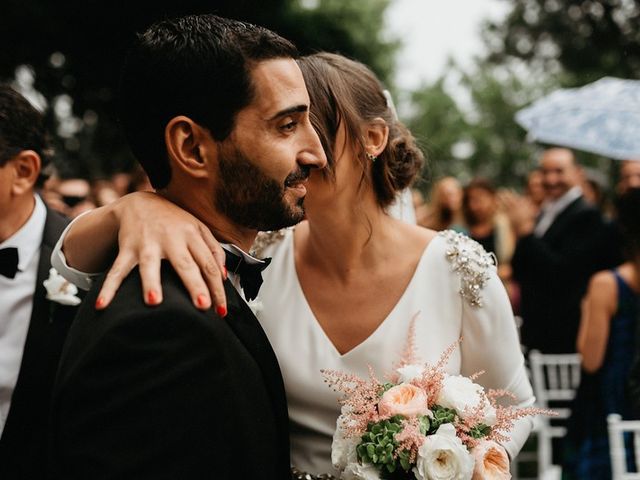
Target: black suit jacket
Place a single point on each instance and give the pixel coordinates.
(168, 392)
(24, 439)
(553, 272)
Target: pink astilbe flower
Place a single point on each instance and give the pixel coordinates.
(494, 395)
(408, 356)
(433, 376)
(360, 399)
(470, 418)
(476, 375)
(506, 416)
(410, 438)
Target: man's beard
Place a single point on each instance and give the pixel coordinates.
(248, 197)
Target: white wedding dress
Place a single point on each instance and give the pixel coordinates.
(454, 293)
(444, 303)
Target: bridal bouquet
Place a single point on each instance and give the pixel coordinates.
(421, 424)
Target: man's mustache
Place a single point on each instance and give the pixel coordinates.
(300, 175)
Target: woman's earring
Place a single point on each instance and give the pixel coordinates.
(371, 157)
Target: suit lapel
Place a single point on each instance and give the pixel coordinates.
(560, 220)
(248, 330)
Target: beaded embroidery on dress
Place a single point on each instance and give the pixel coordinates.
(469, 260)
(266, 239)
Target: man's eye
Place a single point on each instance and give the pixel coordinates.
(289, 126)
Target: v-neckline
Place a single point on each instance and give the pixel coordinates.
(316, 324)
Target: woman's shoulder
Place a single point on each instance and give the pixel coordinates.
(469, 264)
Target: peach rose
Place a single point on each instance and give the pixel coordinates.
(404, 399)
(492, 462)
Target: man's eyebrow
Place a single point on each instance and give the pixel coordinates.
(290, 110)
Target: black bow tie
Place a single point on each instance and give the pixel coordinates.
(9, 262)
(250, 273)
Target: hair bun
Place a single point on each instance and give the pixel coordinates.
(399, 165)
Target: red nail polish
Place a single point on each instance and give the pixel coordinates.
(100, 302)
(152, 297)
(221, 310)
(226, 273)
(202, 301)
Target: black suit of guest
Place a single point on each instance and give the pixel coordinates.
(168, 392)
(553, 272)
(24, 439)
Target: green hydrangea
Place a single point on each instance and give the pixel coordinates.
(378, 445)
(441, 415)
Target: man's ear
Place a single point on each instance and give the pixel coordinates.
(189, 146)
(376, 136)
(26, 166)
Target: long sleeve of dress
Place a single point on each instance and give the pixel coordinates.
(490, 343)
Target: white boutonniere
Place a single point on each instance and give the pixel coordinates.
(256, 306)
(59, 290)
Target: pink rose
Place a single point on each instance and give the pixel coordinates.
(491, 460)
(404, 399)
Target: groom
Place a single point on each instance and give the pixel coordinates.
(217, 113)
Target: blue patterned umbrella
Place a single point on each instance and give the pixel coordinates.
(602, 117)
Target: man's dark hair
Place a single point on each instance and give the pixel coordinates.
(198, 66)
(21, 128)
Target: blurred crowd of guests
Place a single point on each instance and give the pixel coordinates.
(73, 196)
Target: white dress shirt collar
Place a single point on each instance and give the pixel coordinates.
(230, 247)
(563, 202)
(551, 210)
(29, 237)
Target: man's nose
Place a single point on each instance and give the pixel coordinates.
(312, 154)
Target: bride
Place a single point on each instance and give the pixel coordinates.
(345, 284)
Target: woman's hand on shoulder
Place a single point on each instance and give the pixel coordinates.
(152, 228)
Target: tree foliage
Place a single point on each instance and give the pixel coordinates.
(586, 38)
(76, 47)
(539, 46)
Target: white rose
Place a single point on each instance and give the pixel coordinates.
(410, 372)
(443, 457)
(459, 393)
(355, 471)
(343, 449)
(60, 290)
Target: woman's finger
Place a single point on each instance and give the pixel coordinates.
(211, 274)
(189, 272)
(215, 248)
(150, 259)
(121, 267)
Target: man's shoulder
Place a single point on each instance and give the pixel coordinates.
(54, 225)
(128, 302)
(128, 324)
(581, 207)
